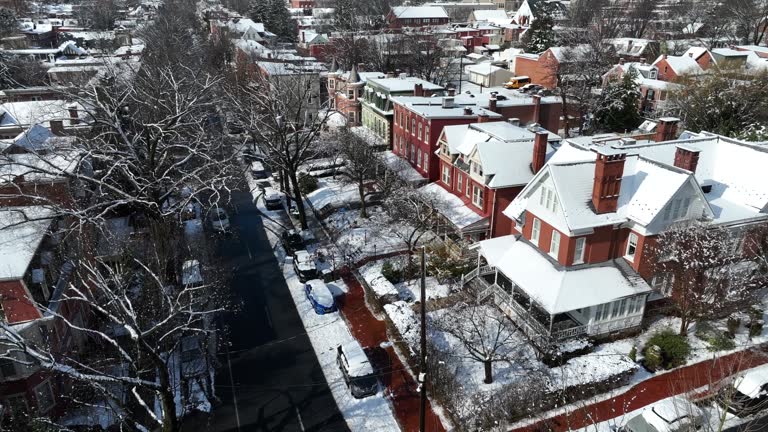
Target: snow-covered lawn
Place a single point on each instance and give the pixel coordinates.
(412, 289)
(409, 290)
(360, 237)
(332, 191)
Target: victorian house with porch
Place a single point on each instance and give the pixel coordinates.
(580, 261)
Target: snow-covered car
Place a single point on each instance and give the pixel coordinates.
(219, 220)
(747, 394)
(675, 414)
(304, 265)
(273, 200)
(292, 241)
(320, 296)
(357, 370)
(258, 171)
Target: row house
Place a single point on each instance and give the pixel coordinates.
(416, 16)
(543, 68)
(345, 91)
(653, 91)
(418, 124)
(582, 260)
(420, 120)
(634, 49)
(694, 61)
(497, 16)
(483, 166)
(377, 106)
(34, 276)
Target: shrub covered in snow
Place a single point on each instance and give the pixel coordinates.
(666, 350)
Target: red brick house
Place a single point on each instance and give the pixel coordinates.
(582, 261)
(345, 90)
(302, 4)
(417, 16)
(671, 68)
(485, 165)
(543, 68)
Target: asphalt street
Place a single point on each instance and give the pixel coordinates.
(276, 382)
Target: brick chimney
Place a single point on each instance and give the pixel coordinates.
(57, 127)
(483, 118)
(539, 151)
(621, 61)
(418, 89)
(536, 109)
(451, 91)
(666, 129)
(492, 104)
(467, 111)
(607, 184)
(687, 158)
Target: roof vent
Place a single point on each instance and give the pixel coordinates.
(447, 102)
(707, 188)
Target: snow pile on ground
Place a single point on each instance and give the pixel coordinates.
(333, 192)
(384, 289)
(412, 289)
(360, 237)
(590, 369)
(406, 321)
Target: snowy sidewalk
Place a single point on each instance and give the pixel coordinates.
(675, 382)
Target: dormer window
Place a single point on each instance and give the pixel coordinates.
(653, 74)
(548, 199)
(477, 169)
(631, 247)
(677, 209)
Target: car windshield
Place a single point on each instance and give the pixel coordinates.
(367, 382)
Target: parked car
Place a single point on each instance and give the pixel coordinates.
(258, 171)
(319, 296)
(304, 265)
(357, 370)
(273, 199)
(747, 394)
(219, 220)
(292, 241)
(530, 88)
(675, 414)
(251, 155)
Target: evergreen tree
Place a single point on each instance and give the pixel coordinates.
(258, 10)
(275, 17)
(540, 35)
(618, 106)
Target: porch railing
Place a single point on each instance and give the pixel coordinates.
(531, 327)
(477, 271)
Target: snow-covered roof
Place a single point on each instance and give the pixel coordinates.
(36, 168)
(492, 15)
(695, 52)
(359, 365)
(399, 85)
(320, 292)
(680, 64)
(672, 414)
(728, 52)
(567, 53)
(752, 383)
(28, 113)
(755, 48)
(483, 69)
(453, 208)
(734, 170)
(304, 261)
(419, 12)
(556, 288)
(22, 229)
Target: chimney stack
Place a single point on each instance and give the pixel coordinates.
(451, 91)
(467, 111)
(514, 121)
(642, 60)
(536, 109)
(539, 151)
(621, 61)
(418, 89)
(607, 184)
(492, 103)
(483, 118)
(57, 127)
(666, 129)
(687, 157)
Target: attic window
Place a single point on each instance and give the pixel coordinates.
(706, 188)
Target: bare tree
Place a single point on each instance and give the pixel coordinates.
(640, 17)
(704, 271)
(411, 213)
(280, 111)
(749, 18)
(486, 334)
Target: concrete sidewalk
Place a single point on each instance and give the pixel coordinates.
(675, 382)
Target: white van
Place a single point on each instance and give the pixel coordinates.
(357, 370)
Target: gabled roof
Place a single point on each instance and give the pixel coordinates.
(22, 229)
(695, 52)
(419, 12)
(556, 288)
(680, 64)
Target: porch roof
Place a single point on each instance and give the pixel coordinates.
(454, 209)
(556, 288)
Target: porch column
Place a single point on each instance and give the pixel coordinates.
(496, 276)
(478, 262)
(551, 322)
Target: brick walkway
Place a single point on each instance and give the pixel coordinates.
(672, 383)
(371, 332)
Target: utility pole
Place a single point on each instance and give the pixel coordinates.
(423, 365)
(461, 71)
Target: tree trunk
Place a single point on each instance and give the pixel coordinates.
(286, 185)
(488, 372)
(363, 209)
(684, 324)
(167, 400)
(299, 201)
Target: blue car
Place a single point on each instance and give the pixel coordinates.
(320, 296)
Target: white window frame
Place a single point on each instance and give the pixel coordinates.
(578, 250)
(554, 244)
(535, 231)
(352, 117)
(477, 196)
(420, 131)
(447, 175)
(468, 189)
(418, 158)
(632, 241)
(459, 183)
